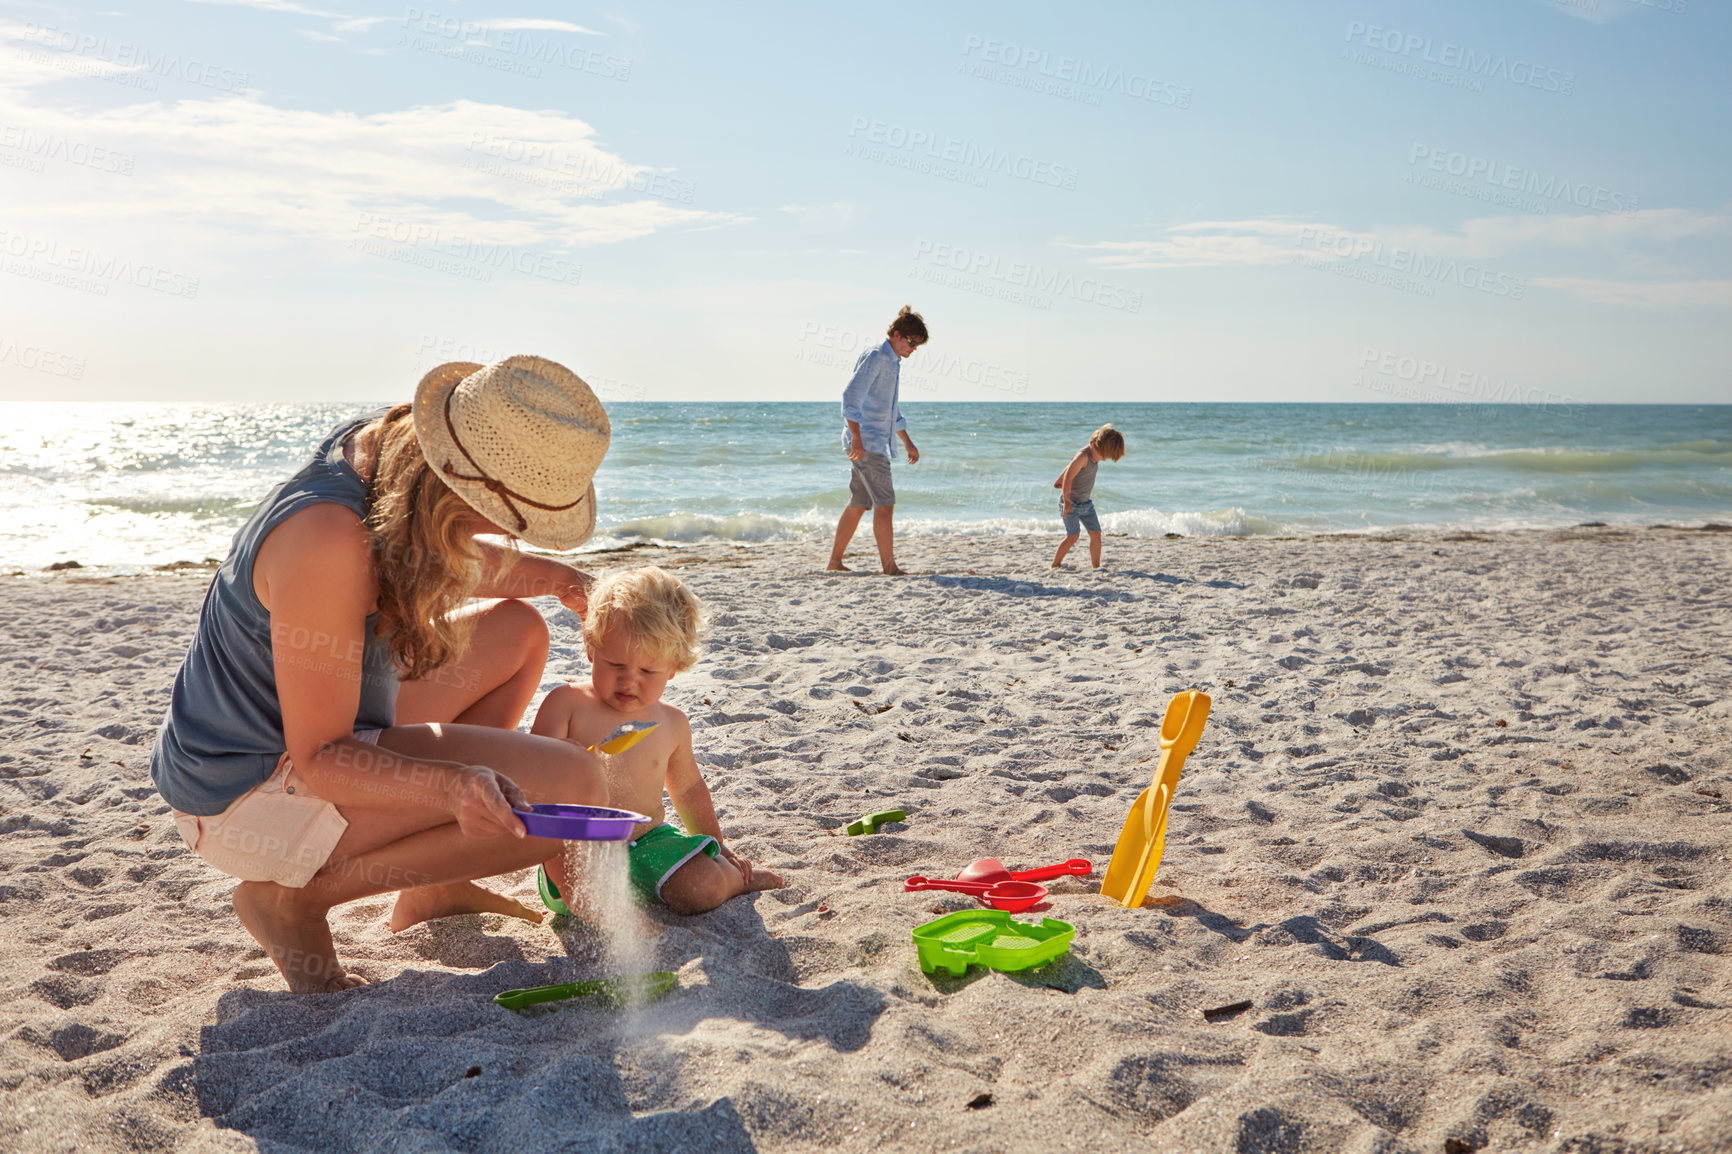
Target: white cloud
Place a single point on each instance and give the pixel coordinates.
(1273, 240)
(1713, 294)
(839, 212)
(348, 23)
(1645, 244)
(1205, 244)
(273, 6)
(534, 25)
(243, 165)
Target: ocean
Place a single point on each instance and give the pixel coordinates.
(129, 486)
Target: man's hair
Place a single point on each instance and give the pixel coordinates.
(654, 608)
(1108, 442)
(910, 325)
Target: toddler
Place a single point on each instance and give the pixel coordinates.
(641, 629)
(1076, 486)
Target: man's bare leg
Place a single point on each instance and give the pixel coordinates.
(1063, 548)
(845, 527)
(1095, 550)
(884, 533)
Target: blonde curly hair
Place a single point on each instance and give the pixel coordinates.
(655, 609)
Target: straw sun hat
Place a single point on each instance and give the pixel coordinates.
(520, 441)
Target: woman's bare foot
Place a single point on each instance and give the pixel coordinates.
(425, 903)
(294, 936)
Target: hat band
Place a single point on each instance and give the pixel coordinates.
(497, 487)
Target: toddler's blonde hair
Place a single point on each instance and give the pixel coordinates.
(1108, 442)
(654, 608)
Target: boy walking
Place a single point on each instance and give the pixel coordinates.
(1076, 486)
(641, 629)
(871, 416)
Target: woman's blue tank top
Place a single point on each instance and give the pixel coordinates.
(224, 731)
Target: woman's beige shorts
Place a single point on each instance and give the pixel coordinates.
(275, 832)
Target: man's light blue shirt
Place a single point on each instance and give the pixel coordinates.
(870, 400)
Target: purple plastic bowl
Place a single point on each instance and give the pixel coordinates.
(580, 822)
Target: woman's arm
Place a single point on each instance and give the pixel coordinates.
(314, 574)
(532, 575)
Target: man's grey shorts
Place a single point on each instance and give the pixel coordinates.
(870, 486)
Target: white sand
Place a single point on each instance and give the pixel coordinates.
(1458, 827)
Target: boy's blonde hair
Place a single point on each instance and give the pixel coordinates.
(654, 608)
(1108, 442)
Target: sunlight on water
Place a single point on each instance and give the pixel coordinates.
(150, 484)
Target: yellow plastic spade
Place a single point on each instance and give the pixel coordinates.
(624, 737)
(1138, 854)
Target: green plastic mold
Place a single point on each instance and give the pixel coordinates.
(989, 938)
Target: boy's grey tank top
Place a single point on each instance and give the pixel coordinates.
(224, 731)
(1082, 483)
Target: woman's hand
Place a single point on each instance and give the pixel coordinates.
(575, 595)
(482, 800)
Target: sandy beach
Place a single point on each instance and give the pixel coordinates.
(1458, 829)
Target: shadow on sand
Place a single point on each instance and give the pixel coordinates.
(425, 1061)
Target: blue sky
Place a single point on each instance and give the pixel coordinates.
(269, 200)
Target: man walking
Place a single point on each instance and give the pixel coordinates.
(872, 420)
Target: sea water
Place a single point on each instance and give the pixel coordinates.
(134, 485)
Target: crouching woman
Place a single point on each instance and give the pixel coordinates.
(345, 723)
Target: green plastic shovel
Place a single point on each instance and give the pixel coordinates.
(1138, 854)
(618, 991)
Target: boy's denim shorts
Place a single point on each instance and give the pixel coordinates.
(1082, 514)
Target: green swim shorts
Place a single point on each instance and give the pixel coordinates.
(658, 854)
(651, 860)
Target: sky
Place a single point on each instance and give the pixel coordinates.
(277, 201)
